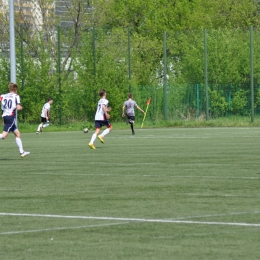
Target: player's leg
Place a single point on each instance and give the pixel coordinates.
(3, 135)
(46, 124)
(94, 136)
(8, 124)
(105, 132)
(132, 121)
(19, 143)
(39, 129)
(132, 127)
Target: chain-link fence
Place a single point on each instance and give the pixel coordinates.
(188, 74)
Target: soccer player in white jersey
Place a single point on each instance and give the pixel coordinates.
(10, 102)
(45, 115)
(101, 119)
(130, 105)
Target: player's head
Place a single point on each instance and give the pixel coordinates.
(102, 93)
(13, 87)
(130, 95)
(50, 100)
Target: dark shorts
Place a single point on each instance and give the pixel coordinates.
(100, 123)
(130, 119)
(9, 124)
(43, 120)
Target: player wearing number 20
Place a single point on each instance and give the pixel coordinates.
(10, 102)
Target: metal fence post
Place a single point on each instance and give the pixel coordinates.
(252, 73)
(198, 100)
(59, 74)
(229, 99)
(129, 61)
(94, 50)
(22, 55)
(206, 74)
(164, 76)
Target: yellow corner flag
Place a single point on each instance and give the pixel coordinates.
(147, 105)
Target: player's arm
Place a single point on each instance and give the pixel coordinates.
(123, 111)
(18, 105)
(105, 109)
(140, 109)
(47, 114)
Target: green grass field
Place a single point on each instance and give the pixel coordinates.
(173, 193)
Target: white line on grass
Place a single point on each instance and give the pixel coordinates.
(219, 195)
(59, 228)
(219, 215)
(161, 137)
(206, 177)
(143, 175)
(135, 219)
(122, 164)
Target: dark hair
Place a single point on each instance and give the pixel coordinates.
(102, 92)
(49, 99)
(130, 95)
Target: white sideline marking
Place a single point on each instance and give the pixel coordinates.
(60, 228)
(135, 219)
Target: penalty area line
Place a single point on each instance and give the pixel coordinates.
(136, 219)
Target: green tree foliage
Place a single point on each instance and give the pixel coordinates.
(94, 54)
(219, 104)
(239, 103)
(158, 15)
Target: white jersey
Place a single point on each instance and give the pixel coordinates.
(47, 107)
(9, 102)
(100, 115)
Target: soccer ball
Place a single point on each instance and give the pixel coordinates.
(85, 130)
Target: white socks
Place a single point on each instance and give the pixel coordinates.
(93, 138)
(39, 127)
(105, 132)
(19, 144)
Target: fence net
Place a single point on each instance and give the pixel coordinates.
(173, 71)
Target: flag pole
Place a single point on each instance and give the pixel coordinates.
(147, 105)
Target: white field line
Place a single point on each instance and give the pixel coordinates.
(219, 215)
(161, 137)
(201, 177)
(136, 219)
(219, 195)
(145, 175)
(59, 228)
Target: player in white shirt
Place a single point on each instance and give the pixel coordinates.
(10, 102)
(45, 116)
(101, 119)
